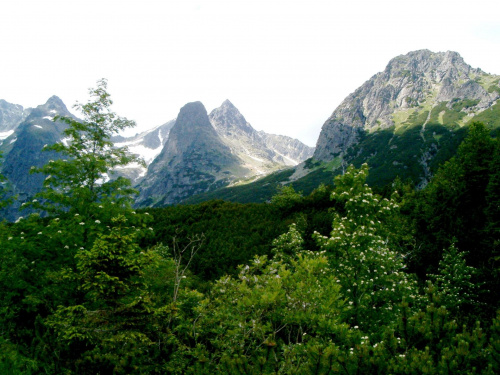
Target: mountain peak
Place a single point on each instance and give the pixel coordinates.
(11, 115)
(435, 65)
(55, 100)
(192, 116)
(227, 104)
(194, 160)
(421, 90)
(228, 120)
(56, 106)
(196, 105)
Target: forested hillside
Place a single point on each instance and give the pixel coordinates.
(344, 280)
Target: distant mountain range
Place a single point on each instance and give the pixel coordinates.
(205, 152)
(404, 121)
(192, 154)
(22, 147)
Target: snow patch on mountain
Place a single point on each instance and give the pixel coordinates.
(4, 135)
(138, 148)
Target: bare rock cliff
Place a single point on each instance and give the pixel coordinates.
(418, 80)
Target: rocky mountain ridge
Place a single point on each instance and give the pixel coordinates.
(242, 152)
(193, 160)
(147, 144)
(290, 149)
(411, 84)
(261, 152)
(22, 150)
(11, 115)
(229, 151)
(404, 122)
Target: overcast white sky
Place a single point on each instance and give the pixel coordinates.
(286, 65)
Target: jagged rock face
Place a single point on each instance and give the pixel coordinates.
(229, 122)
(261, 152)
(156, 139)
(11, 115)
(147, 145)
(25, 145)
(290, 149)
(23, 149)
(194, 160)
(243, 139)
(203, 153)
(420, 79)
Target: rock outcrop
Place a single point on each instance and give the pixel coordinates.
(261, 152)
(205, 152)
(290, 150)
(194, 160)
(11, 115)
(23, 150)
(413, 83)
(147, 145)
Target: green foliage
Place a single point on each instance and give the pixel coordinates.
(269, 313)
(492, 210)
(286, 198)
(494, 86)
(431, 341)
(13, 362)
(110, 327)
(362, 254)
(77, 182)
(453, 204)
(288, 244)
(98, 292)
(458, 207)
(70, 275)
(233, 233)
(494, 344)
(108, 271)
(453, 281)
(458, 104)
(257, 192)
(489, 117)
(312, 180)
(393, 153)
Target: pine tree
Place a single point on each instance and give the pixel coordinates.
(286, 198)
(454, 281)
(112, 329)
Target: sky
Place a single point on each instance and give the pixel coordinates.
(286, 65)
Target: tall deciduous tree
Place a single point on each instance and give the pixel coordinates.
(81, 178)
(362, 255)
(89, 253)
